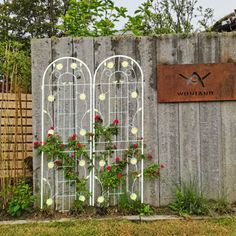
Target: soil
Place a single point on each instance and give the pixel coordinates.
(88, 213)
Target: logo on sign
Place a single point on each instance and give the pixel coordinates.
(195, 78)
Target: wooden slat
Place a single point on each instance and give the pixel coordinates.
(228, 112)
(148, 64)
(20, 147)
(168, 127)
(189, 121)
(19, 138)
(14, 113)
(14, 121)
(14, 173)
(6, 165)
(12, 130)
(13, 104)
(17, 155)
(210, 127)
(13, 97)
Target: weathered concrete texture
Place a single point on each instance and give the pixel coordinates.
(41, 56)
(195, 141)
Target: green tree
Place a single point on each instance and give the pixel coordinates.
(92, 18)
(31, 18)
(168, 16)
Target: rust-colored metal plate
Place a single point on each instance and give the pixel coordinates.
(196, 82)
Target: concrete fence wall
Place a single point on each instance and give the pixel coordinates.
(193, 140)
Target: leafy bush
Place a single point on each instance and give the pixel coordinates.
(128, 206)
(189, 201)
(22, 199)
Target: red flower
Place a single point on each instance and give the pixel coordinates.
(73, 137)
(116, 122)
(117, 159)
(135, 145)
(97, 118)
(114, 146)
(79, 145)
(162, 166)
(149, 156)
(36, 143)
(44, 143)
(62, 146)
(49, 135)
(119, 176)
(108, 168)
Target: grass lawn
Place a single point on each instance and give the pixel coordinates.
(225, 226)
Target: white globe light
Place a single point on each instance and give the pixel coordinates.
(102, 97)
(125, 64)
(133, 161)
(82, 96)
(82, 198)
(134, 94)
(102, 163)
(51, 98)
(133, 196)
(82, 163)
(82, 132)
(110, 65)
(50, 165)
(100, 199)
(73, 66)
(134, 130)
(59, 66)
(49, 202)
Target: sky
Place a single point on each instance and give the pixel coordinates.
(221, 7)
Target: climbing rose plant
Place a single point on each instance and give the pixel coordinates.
(68, 156)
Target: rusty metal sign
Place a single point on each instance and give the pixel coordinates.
(196, 82)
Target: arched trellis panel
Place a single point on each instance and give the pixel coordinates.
(67, 111)
(118, 98)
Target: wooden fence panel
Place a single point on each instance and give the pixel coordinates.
(15, 135)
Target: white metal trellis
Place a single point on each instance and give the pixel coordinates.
(70, 101)
(118, 93)
(67, 106)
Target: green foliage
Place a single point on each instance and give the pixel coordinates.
(168, 16)
(152, 171)
(22, 199)
(127, 206)
(92, 18)
(30, 18)
(189, 201)
(15, 65)
(220, 206)
(112, 175)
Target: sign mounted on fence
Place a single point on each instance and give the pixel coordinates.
(196, 82)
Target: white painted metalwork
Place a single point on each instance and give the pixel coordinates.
(67, 106)
(70, 101)
(118, 93)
